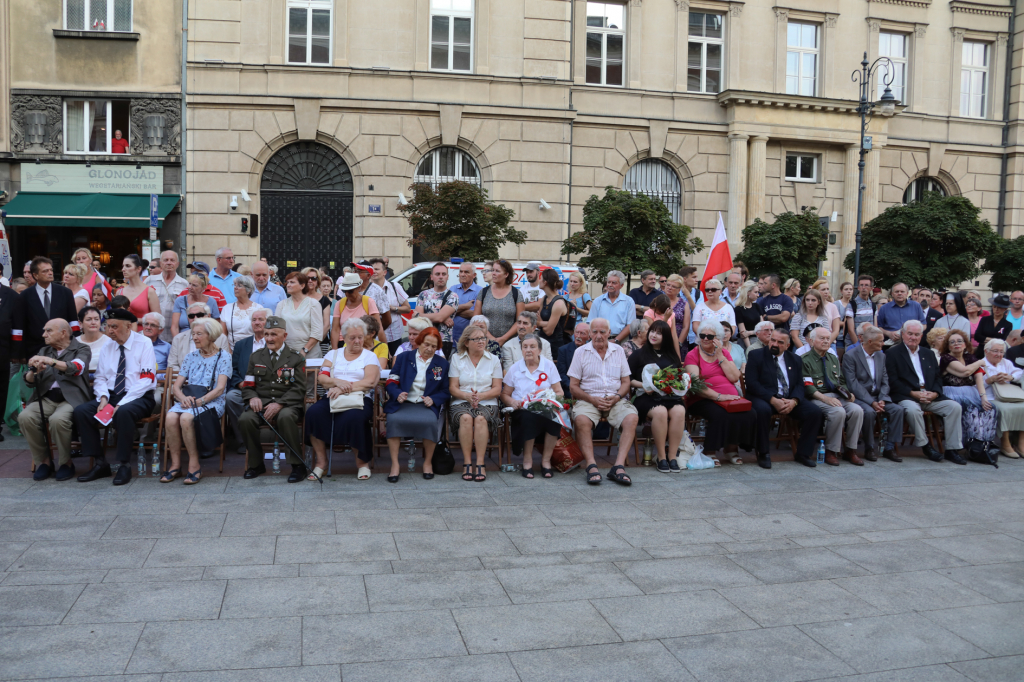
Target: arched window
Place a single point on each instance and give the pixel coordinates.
(656, 179)
(307, 166)
(915, 190)
(446, 164)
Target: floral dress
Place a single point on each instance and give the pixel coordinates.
(199, 371)
(975, 421)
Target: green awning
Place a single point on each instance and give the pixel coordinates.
(69, 209)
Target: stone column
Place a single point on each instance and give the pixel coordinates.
(850, 179)
(755, 177)
(871, 189)
(737, 190)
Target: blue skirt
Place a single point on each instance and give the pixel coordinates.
(351, 427)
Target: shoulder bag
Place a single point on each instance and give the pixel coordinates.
(346, 401)
(207, 424)
(1008, 393)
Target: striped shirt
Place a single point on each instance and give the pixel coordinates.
(599, 377)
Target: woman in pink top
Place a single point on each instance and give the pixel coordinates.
(142, 296)
(712, 363)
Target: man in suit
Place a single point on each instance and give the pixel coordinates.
(867, 379)
(63, 361)
(39, 304)
(239, 364)
(274, 387)
(580, 336)
(775, 386)
(915, 383)
(8, 304)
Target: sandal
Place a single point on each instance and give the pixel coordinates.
(168, 476)
(193, 477)
(468, 474)
(480, 477)
(620, 478)
(363, 474)
(547, 473)
(736, 459)
(527, 473)
(591, 475)
(316, 474)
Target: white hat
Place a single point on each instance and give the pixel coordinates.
(534, 265)
(350, 282)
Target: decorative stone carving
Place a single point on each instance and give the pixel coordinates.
(635, 3)
(156, 126)
(735, 9)
(682, 5)
(37, 124)
(831, 20)
(1001, 39)
(874, 25)
(958, 35)
(781, 14)
(920, 30)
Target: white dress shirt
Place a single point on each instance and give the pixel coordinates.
(40, 290)
(871, 364)
(259, 343)
(915, 358)
(419, 384)
(524, 382)
(477, 378)
(781, 362)
(140, 368)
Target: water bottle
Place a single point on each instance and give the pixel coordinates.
(411, 445)
(648, 455)
(883, 434)
(700, 428)
(277, 459)
(156, 459)
(821, 452)
(142, 460)
(309, 457)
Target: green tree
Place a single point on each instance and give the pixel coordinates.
(457, 219)
(792, 246)
(631, 234)
(1006, 263)
(936, 242)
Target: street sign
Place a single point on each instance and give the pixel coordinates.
(374, 209)
(154, 215)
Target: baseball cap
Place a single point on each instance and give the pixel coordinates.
(200, 266)
(533, 265)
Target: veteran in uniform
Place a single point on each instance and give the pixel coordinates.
(826, 385)
(275, 387)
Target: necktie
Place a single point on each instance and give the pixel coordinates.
(120, 380)
(46, 303)
(273, 356)
(782, 378)
(829, 388)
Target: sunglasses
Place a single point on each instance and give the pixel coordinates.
(193, 316)
(711, 290)
(708, 337)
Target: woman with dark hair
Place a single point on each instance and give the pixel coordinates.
(553, 311)
(956, 314)
(668, 416)
(91, 320)
(995, 326)
(313, 292)
(303, 317)
(963, 380)
(500, 303)
(142, 296)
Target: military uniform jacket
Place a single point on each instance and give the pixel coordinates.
(814, 381)
(72, 382)
(282, 382)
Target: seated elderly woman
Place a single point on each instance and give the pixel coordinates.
(417, 390)
(712, 363)
(935, 338)
(474, 382)
(963, 380)
(1000, 372)
(528, 376)
(667, 414)
(481, 321)
(345, 414)
(637, 336)
(206, 371)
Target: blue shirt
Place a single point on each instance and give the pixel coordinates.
(269, 297)
(225, 284)
(619, 313)
(891, 316)
(161, 349)
(465, 296)
(1015, 321)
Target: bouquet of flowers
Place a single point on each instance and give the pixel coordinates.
(671, 381)
(545, 403)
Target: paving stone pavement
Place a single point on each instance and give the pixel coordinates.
(909, 572)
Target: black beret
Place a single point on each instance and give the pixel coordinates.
(121, 314)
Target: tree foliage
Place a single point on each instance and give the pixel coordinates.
(457, 219)
(1006, 263)
(631, 234)
(792, 246)
(935, 242)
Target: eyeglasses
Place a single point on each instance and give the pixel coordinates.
(193, 316)
(477, 338)
(707, 337)
(150, 325)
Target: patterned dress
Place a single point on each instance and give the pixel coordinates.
(975, 420)
(198, 371)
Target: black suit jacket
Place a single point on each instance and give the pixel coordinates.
(30, 318)
(240, 361)
(903, 377)
(563, 362)
(762, 380)
(8, 309)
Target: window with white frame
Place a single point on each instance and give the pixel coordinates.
(974, 80)
(446, 164)
(90, 124)
(655, 178)
(916, 190)
(801, 167)
(606, 42)
(893, 46)
(802, 59)
(704, 53)
(451, 35)
(98, 15)
(309, 31)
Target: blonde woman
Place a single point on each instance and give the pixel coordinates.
(674, 286)
(578, 293)
(74, 275)
(792, 289)
(748, 313)
(92, 277)
(196, 286)
(313, 291)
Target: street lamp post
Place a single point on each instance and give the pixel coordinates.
(887, 104)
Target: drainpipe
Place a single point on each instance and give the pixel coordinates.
(1001, 221)
(572, 71)
(182, 246)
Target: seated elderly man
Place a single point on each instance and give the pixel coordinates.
(152, 327)
(915, 382)
(183, 344)
(826, 385)
(125, 379)
(58, 375)
(599, 381)
(511, 352)
(580, 336)
(239, 364)
(864, 369)
(762, 332)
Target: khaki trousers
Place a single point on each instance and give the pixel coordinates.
(59, 417)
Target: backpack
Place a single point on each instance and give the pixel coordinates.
(571, 318)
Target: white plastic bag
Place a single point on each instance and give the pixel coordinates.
(699, 460)
(647, 377)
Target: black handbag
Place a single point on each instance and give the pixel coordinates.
(982, 451)
(443, 460)
(206, 422)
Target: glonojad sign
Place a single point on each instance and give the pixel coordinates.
(77, 177)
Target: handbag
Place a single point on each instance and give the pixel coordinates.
(443, 459)
(206, 422)
(982, 451)
(346, 401)
(1008, 393)
(740, 405)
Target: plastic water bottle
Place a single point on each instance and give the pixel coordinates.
(156, 459)
(277, 458)
(411, 445)
(821, 452)
(883, 434)
(142, 460)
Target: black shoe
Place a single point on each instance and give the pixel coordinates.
(426, 476)
(254, 472)
(66, 471)
(764, 461)
(806, 462)
(954, 457)
(123, 475)
(76, 452)
(43, 471)
(207, 455)
(673, 466)
(890, 454)
(99, 470)
(299, 473)
(240, 450)
(1, 437)
(931, 453)
(393, 479)
(663, 466)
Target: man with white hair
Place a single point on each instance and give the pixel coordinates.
(915, 382)
(183, 344)
(864, 369)
(222, 276)
(826, 385)
(267, 294)
(762, 332)
(152, 329)
(614, 308)
(168, 285)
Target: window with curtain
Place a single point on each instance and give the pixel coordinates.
(802, 59)
(451, 35)
(309, 31)
(974, 80)
(606, 41)
(98, 15)
(90, 124)
(704, 53)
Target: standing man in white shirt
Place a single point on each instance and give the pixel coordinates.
(168, 285)
(530, 286)
(222, 276)
(732, 288)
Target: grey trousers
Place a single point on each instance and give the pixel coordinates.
(949, 410)
(235, 406)
(895, 427)
(850, 415)
(58, 415)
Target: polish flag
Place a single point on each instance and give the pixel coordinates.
(719, 260)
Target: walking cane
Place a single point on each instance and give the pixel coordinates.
(42, 413)
(267, 422)
(330, 451)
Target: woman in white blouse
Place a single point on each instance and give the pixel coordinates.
(474, 382)
(92, 336)
(303, 317)
(999, 370)
(527, 376)
(713, 308)
(237, 317)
